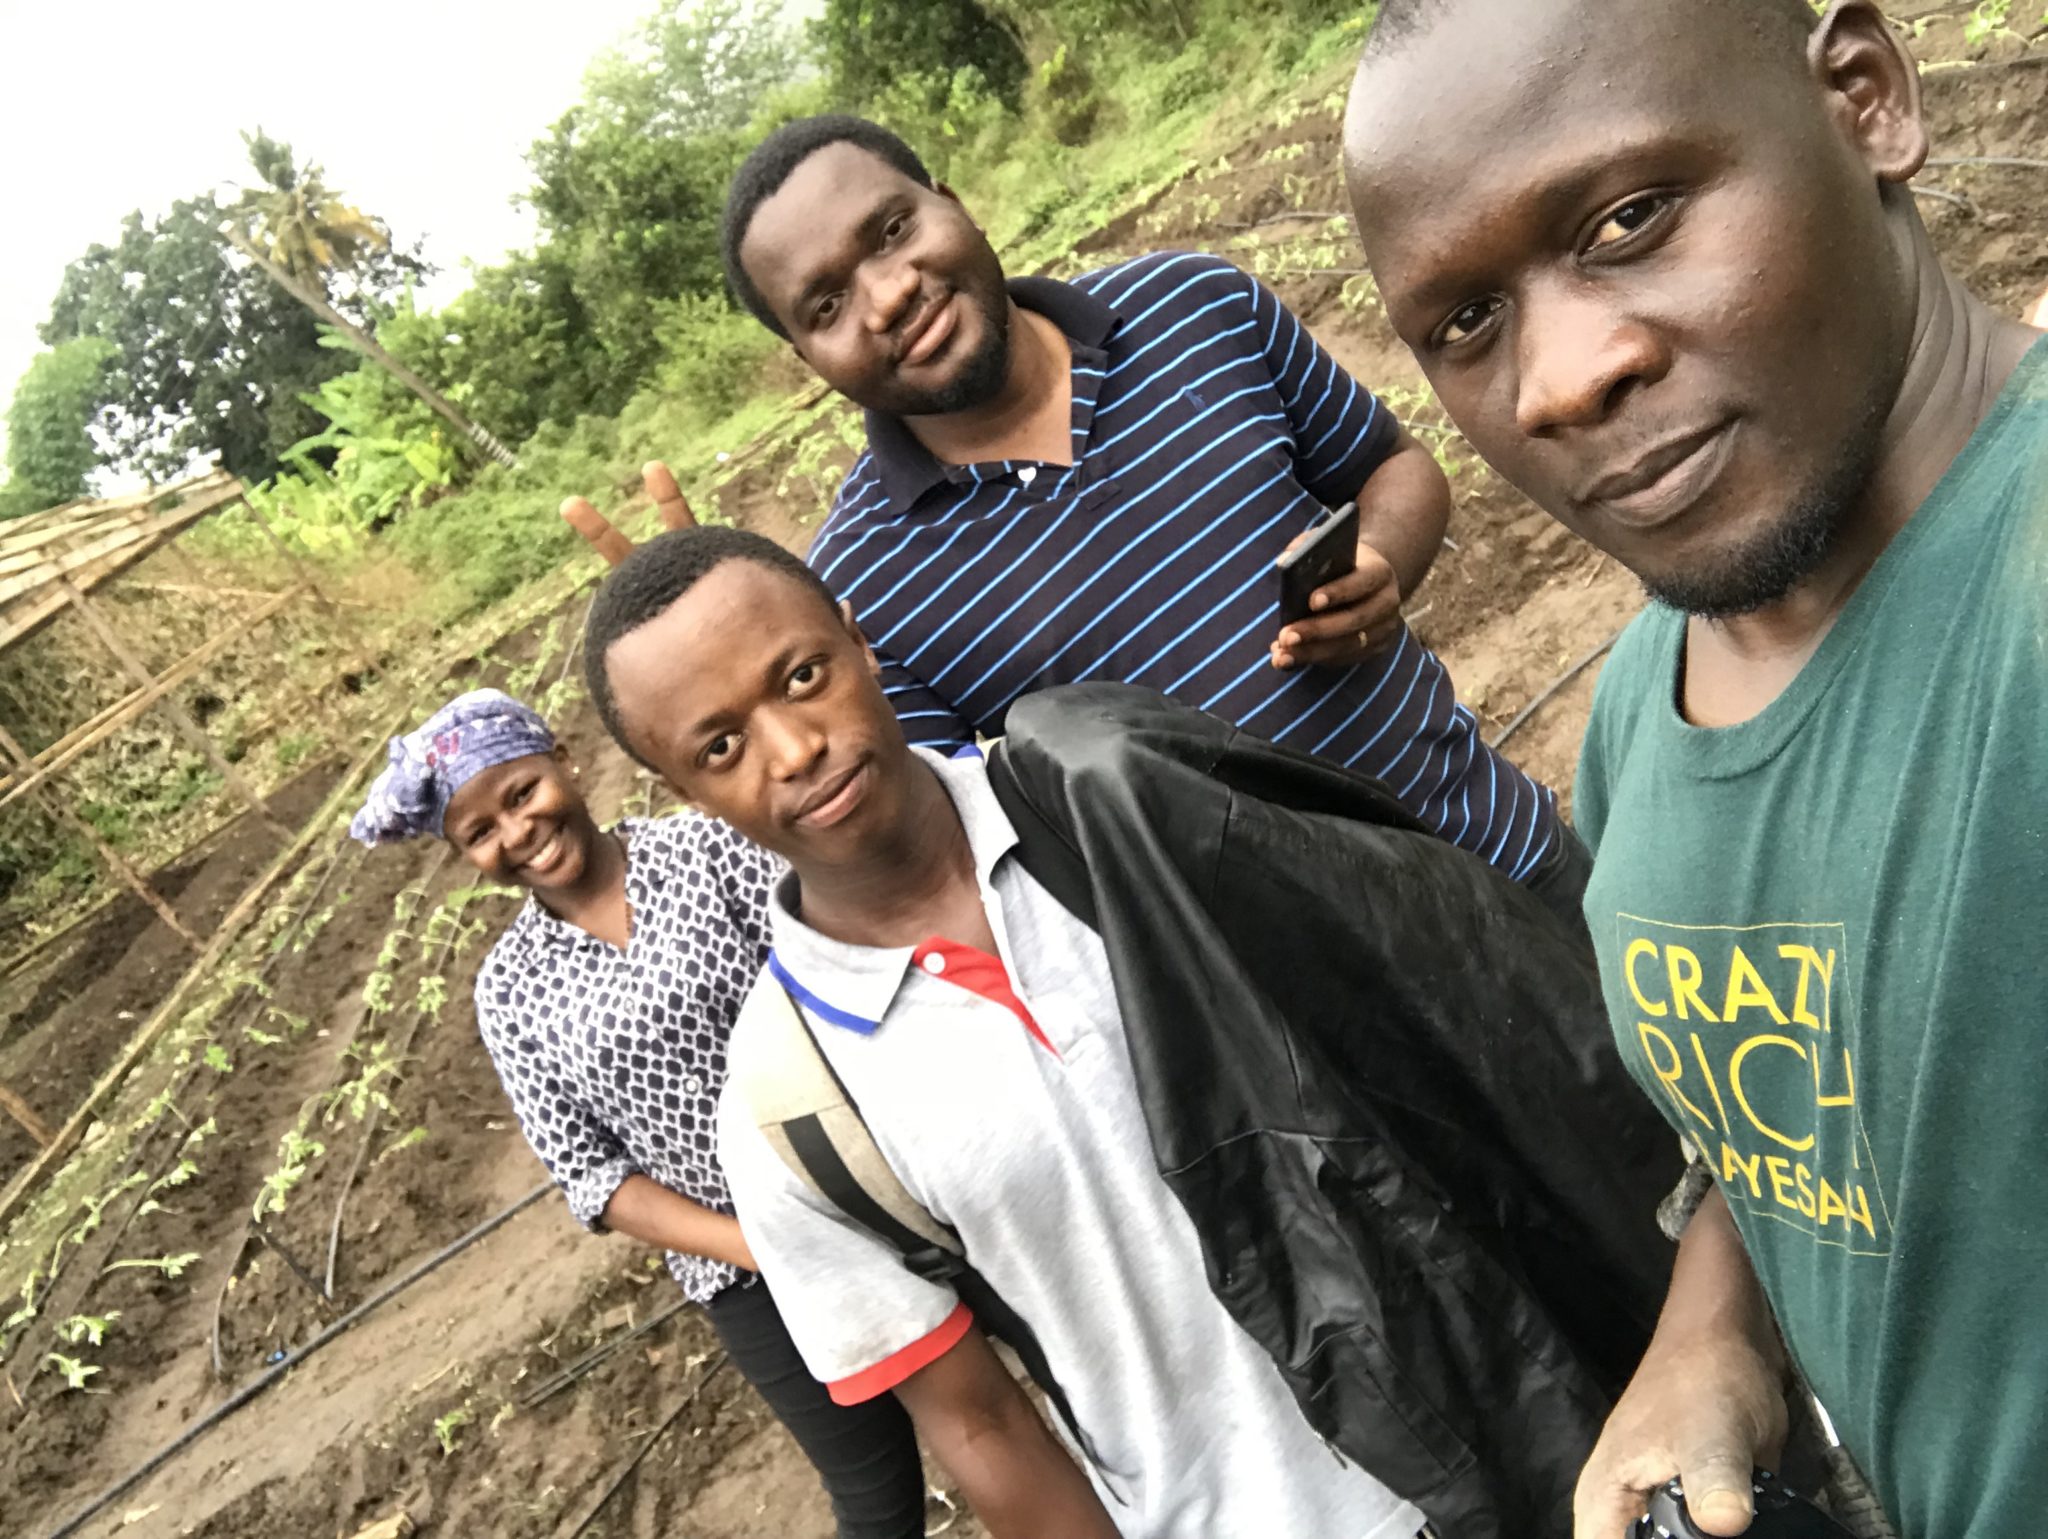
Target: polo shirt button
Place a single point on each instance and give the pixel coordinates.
(934, 963)
(693, 1086)
(1028, 474)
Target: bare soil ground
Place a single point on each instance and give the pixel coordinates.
(420, 1409)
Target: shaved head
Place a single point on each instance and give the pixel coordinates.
(1657, 259)
(1400, 20)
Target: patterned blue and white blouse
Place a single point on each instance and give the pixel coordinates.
(614, 1060)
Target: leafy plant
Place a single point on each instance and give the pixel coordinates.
(356, 1096)
(448, 1428)
(216, 1058)
(75, 1372)
(411, 1138)
(295, 1154)
(28, 1308)
(50, 450)
(432, 995)
(291, 748)
(169, 1266)
(88, 1330)
(95, 1209)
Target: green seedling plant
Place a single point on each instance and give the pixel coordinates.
(75, 1372)
(28, 1309)
(411, 1138)
(95, 1210)
(309, 930)
(87, 1330)
(295, 1155)
(558, 697)
(448, 1428)
(170, 1266)
(358, 1095)
(175, 1177)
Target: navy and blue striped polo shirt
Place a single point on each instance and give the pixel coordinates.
(1209, 429)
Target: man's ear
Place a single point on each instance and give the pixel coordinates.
(1873, 87)
(859, 638)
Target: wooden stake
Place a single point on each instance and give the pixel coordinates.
(108, 855)
(90, 735)
(291, 559)
(24, 1114)
(140, 676)
(172, 1005)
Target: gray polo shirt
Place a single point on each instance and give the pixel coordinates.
(1000, 1090)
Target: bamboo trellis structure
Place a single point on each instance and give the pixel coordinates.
(50, 563)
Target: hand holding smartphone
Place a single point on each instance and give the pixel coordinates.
(1780, 1514)
(1330, 551)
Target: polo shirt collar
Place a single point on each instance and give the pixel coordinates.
(905, 467)
(853, 986)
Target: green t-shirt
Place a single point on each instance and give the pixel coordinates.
(1823, 936)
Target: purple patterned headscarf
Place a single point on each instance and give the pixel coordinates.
(467, 736)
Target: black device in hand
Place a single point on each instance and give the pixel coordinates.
(1780, 1514)
(1329, 552)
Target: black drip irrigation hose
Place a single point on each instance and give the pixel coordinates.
(555, 1383)
(1522, 716)
(256, 1386)
(626, 1470)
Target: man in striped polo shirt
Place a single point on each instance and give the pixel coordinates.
(1091, 480)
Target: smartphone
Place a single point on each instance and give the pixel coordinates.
(1330, 552)
(1780, 1514)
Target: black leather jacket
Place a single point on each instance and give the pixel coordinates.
(1380, 1079)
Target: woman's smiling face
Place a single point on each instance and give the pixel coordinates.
(523, 822)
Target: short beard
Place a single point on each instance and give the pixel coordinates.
(981, 376)
(1776, 560)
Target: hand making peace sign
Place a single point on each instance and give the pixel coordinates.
(606, 540)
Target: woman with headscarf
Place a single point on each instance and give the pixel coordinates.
(606, 1006)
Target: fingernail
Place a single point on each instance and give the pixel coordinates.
(1318, 602)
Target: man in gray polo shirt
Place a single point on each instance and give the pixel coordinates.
(975, 1023)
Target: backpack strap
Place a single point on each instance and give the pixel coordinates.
(805, 1112)
(810, 1121)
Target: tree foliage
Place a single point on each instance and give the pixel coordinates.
(871, 49)
(209, 356)
(298, 221)
(630, 183)
(50, 451)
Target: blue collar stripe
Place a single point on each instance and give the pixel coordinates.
(817, 1006)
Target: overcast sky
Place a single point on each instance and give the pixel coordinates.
(421, 114)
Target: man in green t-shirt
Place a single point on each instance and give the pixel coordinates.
(1662, 265)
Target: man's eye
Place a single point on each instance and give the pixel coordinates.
(823, 313)
(1467, 320)
(1626, 220)
(719, 749)
(895, 227)
(805, 677)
